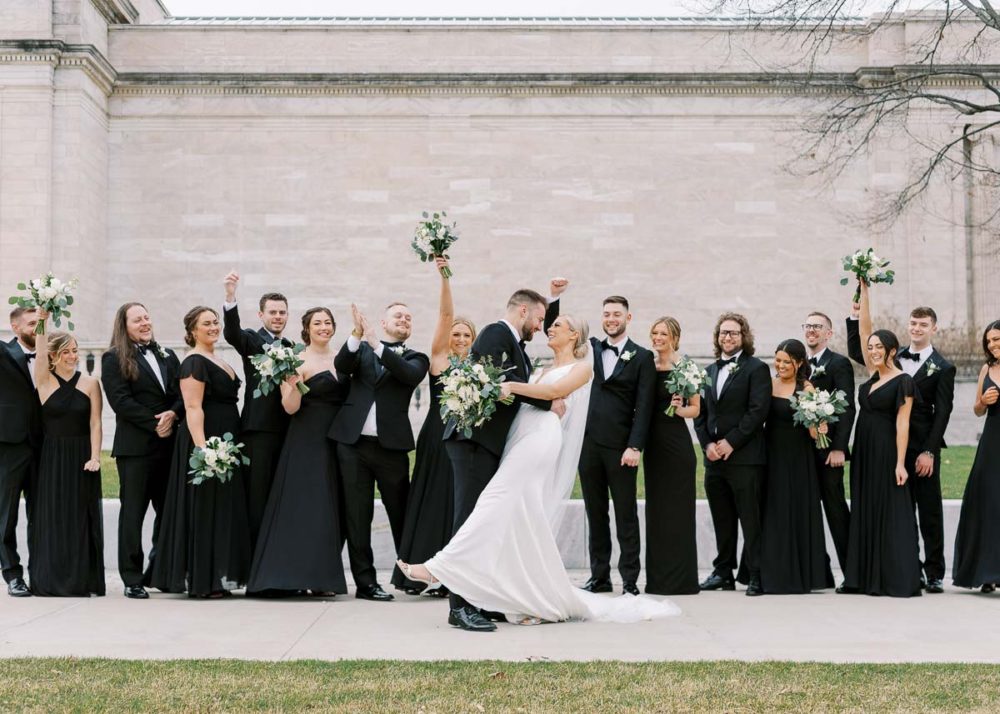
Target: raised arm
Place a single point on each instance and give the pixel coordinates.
(865, 326)
(446, 316)
(44, 381)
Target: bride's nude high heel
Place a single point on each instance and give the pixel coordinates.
(407, 570)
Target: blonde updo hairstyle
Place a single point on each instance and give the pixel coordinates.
(673, 327)
(191, 322)
(58, 342)
(582, 330)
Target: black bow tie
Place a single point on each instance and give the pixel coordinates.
(814, 361)
(394, 345)
(608, 346)
(906, 354)
(720, 363)
(28, 356)
(144, 349)
(522, 345)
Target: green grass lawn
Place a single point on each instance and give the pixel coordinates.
(957, 461)
(366, 686)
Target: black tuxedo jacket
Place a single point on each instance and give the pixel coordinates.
(621, 403)
(835, 372)
(738, 414)
(935, 395)
(20, 410)
(390, 391)
(136, 403)
(264, 413)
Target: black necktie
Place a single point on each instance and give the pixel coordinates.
(720, 363)
(906, 354)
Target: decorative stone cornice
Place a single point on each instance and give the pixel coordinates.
(116, 12)
(61, 54)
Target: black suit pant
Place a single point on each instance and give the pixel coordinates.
(733, 493)
(838, 515)
(600, 472)
(472, 466)
(263, 448)
(142, 481)
(18, 474)
(362, 466)
(927, 503)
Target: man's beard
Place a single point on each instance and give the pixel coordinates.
(614, 335)
(29, 339)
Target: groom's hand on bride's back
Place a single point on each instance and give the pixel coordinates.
(558, 407)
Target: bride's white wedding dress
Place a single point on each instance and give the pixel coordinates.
(504, 558)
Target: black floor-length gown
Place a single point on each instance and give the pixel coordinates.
(67, 538)
(669, 465)
(793, 544)
(430, 506)
(204, 543)
(882, 554)
(977, 544)
(300, 536)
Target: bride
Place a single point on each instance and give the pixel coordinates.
(505, 558)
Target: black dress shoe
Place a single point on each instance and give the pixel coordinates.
(18, 588)
(629, 587)
(373, 592)
(493, 616)
(988, 588)
(468, 618)
(136, 592)
(411, 591)
(597, 586)
(934, 585)
(844, 589)
(441, 592)
(753, 587)
(718, 582)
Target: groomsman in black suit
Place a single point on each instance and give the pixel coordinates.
(475, 460)
(730, 429)
(20, 440)
(621, 406)
(831, 371)
(934, 377)
(140, 380)
(374, 436)
(264, 421)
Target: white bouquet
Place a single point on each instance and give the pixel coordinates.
(868, 268)
(686, 379)
(471, 392)
(218, 459)
(50, 294)
(818, 407)
(433, 238)
(274, 365)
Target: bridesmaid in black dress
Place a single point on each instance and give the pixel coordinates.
(669, 466)
(882, 554)
(67, 542)
(300, 537)
(793, 544)
(204, 543)
(977, 544)
(430, 505)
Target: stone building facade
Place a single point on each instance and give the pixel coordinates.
(149, 155)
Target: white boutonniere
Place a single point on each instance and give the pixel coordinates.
(399, 349)
(818, 370)
(627, 355)
(162, 351)
(734, 368)
(932, 367)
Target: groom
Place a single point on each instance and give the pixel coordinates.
(474, 460)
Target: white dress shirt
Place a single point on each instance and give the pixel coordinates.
(151, 360)
(819, 358)
(31, 364)
(370, 427)
(609, 358)
(723, 375)
(911, 366)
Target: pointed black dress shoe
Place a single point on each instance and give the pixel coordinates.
(597, 586)
(629, 587)
(753, 587)
(18, 588)
(136, 592)
(934, 585)
(373, 592)
(715, 581)
(468, 618)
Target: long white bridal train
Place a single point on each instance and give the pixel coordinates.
(505, 558)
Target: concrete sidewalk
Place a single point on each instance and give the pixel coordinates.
(958, 626)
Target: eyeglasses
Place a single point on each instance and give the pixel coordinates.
(806, 327)
(730, 333)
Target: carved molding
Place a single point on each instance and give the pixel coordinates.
(61, 55)
(116, 12)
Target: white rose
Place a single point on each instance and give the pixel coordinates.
(48, 293)
(56, 284)
(36, 284)
(453, 405)
(484, 378)
(828, 409)
(211, 458)
(872, 273)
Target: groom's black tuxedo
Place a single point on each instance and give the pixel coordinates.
(476, 459)
(264, 421)
(932, 406)
(733, 486)
(618, 417)
(20, 439)
(143, 458)
(833, 371)
(387, 384)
